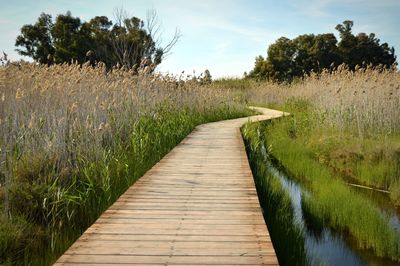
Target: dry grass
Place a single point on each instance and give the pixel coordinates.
(355, 119)
(45, 108)
(41, 105)
(345, 127)
(73, 138)
(367, 100)
(67, 132)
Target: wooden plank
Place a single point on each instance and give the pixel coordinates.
(133, 245)
(208, 213)
(207, 206)
(197, 206)
(171, 215)
(143, 238)
(166, 260)
(172, 248)
(159, 231)
(117, 220)
(210, 200)
(156, 251)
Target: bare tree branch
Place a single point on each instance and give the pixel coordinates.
(167, 48)
(153, 27)
(144, 46)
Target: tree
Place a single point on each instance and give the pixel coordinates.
(362, 49)
(130, 42)
(100, 27)
(325, 51)
(70, 39)
(348, 43)
(37, 40)
(207, 78)
(153, 27)
(304, 60)
(288, 59)
(281, 56)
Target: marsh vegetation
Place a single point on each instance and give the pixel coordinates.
(343, 128)
(82, 126)
(73, 138)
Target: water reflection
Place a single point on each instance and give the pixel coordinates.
(382, 201)
(323, 245)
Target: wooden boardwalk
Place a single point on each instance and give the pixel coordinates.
(197, 206)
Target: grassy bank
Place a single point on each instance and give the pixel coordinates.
(286, 236)
(354, 118)
(297, 143)
(74, 138)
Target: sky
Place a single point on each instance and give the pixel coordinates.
(223, 36)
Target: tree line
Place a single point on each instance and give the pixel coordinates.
(128, 42)
(288, 59)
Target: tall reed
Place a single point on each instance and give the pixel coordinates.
(73, 138)
(365, 101)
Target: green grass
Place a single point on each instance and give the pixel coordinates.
(372, 161)
(287, 237)
(295, 142)
(51, 204)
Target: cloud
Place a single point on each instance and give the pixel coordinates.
(5, 22)
(372, 3)
(222, 46)
(323, 8)
(314, 8)
(254, 34)
(211, 22)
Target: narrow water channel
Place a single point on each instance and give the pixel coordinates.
(382, 201)
(325, 246)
